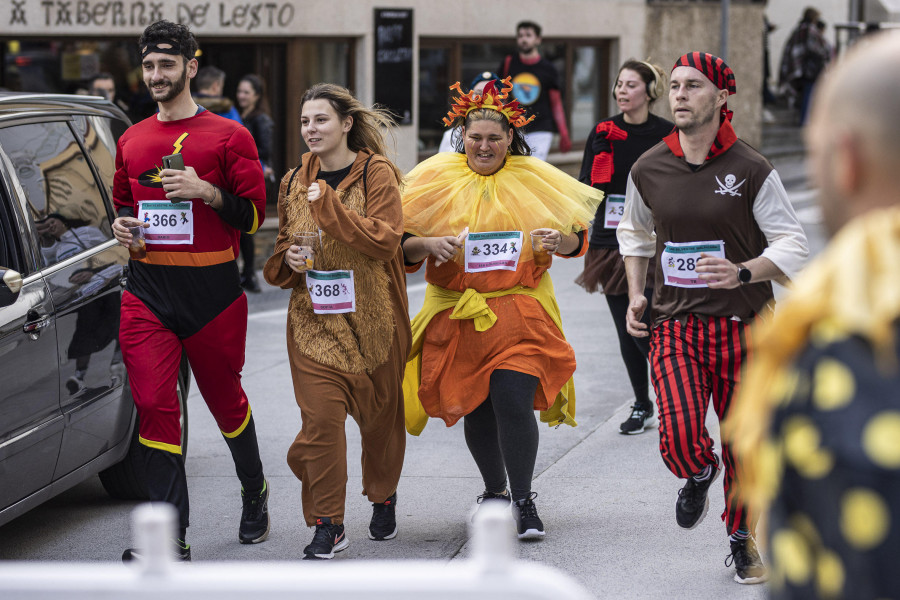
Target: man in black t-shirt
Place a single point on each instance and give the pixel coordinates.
(536, 87)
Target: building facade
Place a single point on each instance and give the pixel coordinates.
(403, 54)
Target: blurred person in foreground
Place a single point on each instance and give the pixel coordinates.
(714, 213)
(612, 147)
(817, 423)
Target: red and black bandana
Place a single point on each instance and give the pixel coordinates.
(715, 70)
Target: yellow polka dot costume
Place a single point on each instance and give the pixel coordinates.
(817, 424)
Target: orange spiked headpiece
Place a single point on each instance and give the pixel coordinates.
(490, 98)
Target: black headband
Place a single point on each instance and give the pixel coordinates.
(153, 47)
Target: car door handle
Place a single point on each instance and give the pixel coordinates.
(37, 325)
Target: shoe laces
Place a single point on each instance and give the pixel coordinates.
(324, 534)
(504, 495)
(740, 554)
(383, 509)
(252, 504)
(691, 493)
(526, 506)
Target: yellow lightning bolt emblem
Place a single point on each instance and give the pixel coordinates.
(177, 144)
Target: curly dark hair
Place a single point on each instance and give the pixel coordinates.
(167, 31)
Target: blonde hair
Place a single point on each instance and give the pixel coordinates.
(369, 124)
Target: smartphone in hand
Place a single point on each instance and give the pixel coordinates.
(173, 161)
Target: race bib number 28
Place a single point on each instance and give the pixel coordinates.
(679, 262)
(170, 222)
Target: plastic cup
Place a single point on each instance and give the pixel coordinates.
(309, 246)
(541, 254)
(138, 247)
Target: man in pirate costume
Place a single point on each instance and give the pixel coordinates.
(715, 215)
(816, 422)
(185, 295)
(488, 345)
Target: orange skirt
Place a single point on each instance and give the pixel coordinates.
(457, 360)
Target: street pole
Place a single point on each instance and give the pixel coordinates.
(723, 50)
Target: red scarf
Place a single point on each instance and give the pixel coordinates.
(602, 167)
(725, 139)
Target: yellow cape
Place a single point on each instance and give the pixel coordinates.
(442, 196)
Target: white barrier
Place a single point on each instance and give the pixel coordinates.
(491, 572)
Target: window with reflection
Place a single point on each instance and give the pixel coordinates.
(62, 196)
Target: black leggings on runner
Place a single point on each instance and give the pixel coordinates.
(635, 351)
(502, 433)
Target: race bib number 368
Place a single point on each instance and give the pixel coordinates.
(679, 262)
(170, 222)
(331, 292)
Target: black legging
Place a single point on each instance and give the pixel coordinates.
(248, 252)
(502, 433)
(635, 351)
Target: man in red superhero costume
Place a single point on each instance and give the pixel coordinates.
(185, 294)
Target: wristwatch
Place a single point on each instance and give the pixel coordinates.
(744, 275)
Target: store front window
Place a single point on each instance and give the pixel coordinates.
(580, 63)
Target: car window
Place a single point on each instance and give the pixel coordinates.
(62, 196)
(9, 250)
(100, 137)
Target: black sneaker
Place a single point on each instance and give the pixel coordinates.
(254, 527)
(693, 500)
(327, 540)
(383, 525)
(528, 524)
(182, 553)
(748, 566)
(641, 418)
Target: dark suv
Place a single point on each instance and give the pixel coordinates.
(66, 411)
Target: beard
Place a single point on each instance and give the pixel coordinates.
(699, 118)
(170, 93)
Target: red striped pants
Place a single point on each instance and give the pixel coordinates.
(690, 363)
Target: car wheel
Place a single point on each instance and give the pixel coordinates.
(125, 480)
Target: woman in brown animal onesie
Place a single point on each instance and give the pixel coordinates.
(348, 362)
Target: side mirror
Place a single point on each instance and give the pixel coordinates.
(10, 286)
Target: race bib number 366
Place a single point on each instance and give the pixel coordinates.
(679, 262)
(493, 251)
(331, 292)
(170, 223)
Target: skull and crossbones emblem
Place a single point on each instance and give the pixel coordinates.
(729, 187)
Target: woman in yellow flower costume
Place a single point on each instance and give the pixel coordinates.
(488, 344)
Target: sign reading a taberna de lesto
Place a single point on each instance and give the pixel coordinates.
(99, 17)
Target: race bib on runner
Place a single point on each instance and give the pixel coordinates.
(493, 251)
(615, 208)
(170, 223)
(679, 262)
(331, 292)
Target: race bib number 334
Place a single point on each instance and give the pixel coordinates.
(493, 251)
